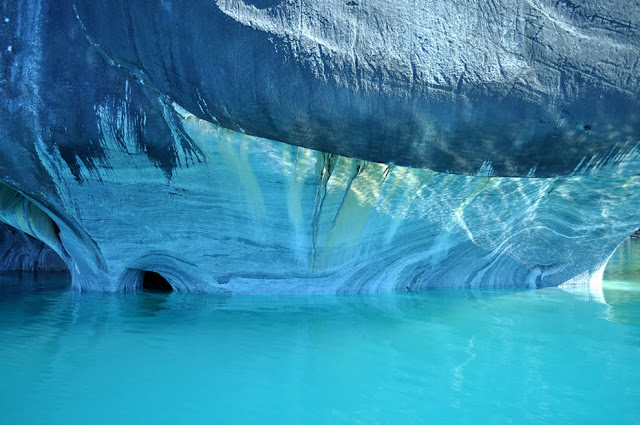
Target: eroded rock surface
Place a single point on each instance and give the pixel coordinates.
(23, 252)
(293, 146)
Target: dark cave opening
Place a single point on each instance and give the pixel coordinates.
(152, 281)
(56, 230)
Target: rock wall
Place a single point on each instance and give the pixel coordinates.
(278, 146)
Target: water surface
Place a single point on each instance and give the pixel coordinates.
(485, 357)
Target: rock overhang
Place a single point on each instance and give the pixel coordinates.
(105, 96)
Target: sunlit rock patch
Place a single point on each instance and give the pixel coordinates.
(251, 215)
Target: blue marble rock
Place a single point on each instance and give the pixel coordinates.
(23, 252)
(318, 147)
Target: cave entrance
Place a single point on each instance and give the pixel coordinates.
(154, 282)
(20, 251)
(29, 237)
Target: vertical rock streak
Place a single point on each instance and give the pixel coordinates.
(245, 218)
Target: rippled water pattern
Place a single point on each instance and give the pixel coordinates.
(542, 356)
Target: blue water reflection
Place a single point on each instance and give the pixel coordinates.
(461, 356)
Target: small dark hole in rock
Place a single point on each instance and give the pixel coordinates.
(153, 281)
(587, 127)
(56, 229)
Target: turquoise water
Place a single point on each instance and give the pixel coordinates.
(542, 356)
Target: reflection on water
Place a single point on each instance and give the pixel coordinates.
(624, 265)
(460, 356)
(621, 285)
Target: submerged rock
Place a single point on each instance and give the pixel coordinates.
(322, 147)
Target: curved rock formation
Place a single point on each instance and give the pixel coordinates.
(293, 146)
(23, 252)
